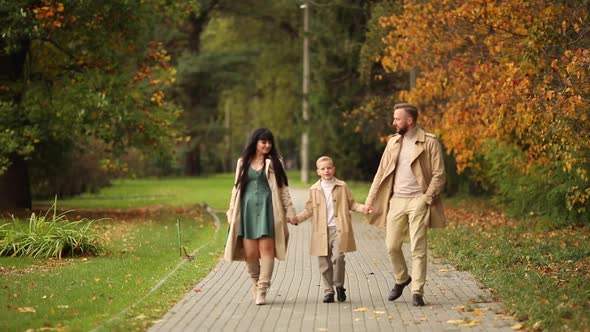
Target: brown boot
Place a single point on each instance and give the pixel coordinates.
(254, 272)
(266, 268)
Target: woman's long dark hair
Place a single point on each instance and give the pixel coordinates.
(249, 153)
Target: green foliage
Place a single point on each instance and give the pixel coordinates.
(88, 73)
(49, 236)
(527, 191)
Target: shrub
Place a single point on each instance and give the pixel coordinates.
(49, 236)
(541, 190)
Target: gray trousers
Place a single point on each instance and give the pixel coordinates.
(332, 266)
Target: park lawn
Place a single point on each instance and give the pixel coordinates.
(214, 189)
(541, 275)
(110, 292)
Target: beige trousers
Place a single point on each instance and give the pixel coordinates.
(408, 214)
(332, 266)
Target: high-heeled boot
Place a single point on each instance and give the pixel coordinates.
(266, 268)
(254, 272)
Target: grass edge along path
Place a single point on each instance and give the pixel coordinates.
(541, 276)
(135, 306)
(54, 293)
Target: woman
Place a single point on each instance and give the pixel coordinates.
(258, 210)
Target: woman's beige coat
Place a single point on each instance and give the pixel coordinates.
(428, 167)
(315, 207)
(282, 208)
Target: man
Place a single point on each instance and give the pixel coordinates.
(405, 196)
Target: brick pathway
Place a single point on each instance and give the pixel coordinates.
(454, 301)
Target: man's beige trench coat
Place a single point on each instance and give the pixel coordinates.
(428, 167)
(282, 208)
(316, 209)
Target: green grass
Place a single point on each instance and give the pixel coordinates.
(85, 293)
(542, 276)
(215, 190)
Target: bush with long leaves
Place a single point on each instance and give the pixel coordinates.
(48, 236)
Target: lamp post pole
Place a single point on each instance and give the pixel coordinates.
(305, 102)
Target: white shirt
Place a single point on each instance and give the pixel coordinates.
(328, 186)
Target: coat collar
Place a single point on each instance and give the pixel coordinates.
(420, 136)
(317, 185)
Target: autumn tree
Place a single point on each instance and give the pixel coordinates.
(506, 76)
(75, 75)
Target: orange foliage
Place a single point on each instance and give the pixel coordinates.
(514, 71)
(51, 14)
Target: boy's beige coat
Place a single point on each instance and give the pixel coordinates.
(315, 207)
(282, 208)
(428, 167)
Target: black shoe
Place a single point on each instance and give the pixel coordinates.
(341, 294)
(397, 290)
(329, 298)
(417, 300)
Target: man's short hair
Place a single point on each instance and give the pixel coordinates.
(410, 109)
(324, 158)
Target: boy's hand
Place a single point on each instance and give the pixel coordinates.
(292, 220)
(367, 209)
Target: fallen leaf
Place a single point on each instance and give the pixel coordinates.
(22, 309)
(378, 312)
(197, 290)
(361, 309)
(463, 322)
(471, 323)
(461, 308)
(444, 270)
(477, 313)
(517, 327)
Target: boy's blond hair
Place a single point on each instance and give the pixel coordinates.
(324, 158)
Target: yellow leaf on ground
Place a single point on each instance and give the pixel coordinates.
(444, 270)
(517, 327)
(22, 309)
(477, 313)
(361, 309)
(463, 322)
(471, 323)
(379, 312)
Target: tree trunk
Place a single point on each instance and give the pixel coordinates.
(192, 161)
(15, 189)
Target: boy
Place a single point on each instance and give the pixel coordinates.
(328, 204)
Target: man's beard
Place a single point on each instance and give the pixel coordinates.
(402, 130)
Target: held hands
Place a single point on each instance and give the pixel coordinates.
(293, 220)
(367, 209)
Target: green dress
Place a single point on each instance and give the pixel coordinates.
(257, 218)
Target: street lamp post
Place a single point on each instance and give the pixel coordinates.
(305, 102)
